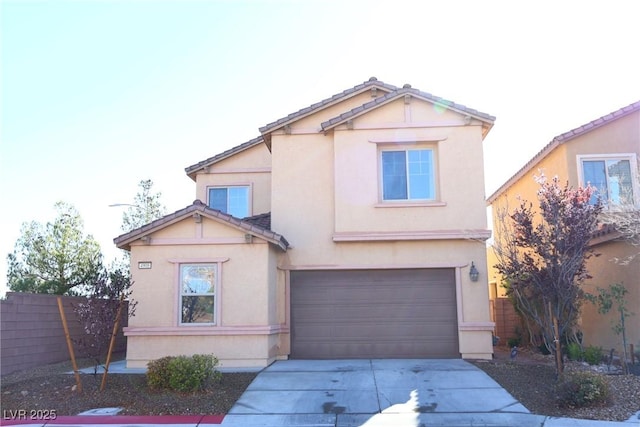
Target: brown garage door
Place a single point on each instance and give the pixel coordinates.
(374, 314)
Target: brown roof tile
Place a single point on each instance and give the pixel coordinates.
(261, 220)
(254, 225)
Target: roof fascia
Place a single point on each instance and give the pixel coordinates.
(193, 169)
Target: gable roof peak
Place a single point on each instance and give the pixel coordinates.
(257, 225)
(373, 82)
(407, 90)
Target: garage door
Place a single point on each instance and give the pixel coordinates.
(374, 314)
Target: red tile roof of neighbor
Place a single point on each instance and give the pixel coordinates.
(257, 225)
(561, 139)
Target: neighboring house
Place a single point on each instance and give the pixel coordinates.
(603, 153)
(348, 229)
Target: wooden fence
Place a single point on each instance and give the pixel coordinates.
(32, 333)
(506, 319)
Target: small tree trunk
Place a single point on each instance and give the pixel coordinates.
(558, 346)
(112, 342)
(76, 373)
(624, 343)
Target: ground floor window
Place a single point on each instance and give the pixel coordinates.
(198, 293)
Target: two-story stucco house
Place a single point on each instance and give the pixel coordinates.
(348, 229)
(603, 153)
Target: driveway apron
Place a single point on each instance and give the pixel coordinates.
(378, 392)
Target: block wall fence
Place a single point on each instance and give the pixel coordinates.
(31, 332)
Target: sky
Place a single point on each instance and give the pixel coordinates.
(97, 95)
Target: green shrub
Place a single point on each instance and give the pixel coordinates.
(158, 373)
(574, 351)
(577, 389)
(593, 355)
(182, 373)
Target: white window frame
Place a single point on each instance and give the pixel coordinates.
(249, 188)
(215, 294)
(633, 164)
(408, 200)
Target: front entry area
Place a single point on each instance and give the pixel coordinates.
(365, 314)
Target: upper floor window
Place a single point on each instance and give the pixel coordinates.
(408, 175)
(612, 176)
(198, 293)
(232, 200)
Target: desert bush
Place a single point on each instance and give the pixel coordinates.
(158, 373)
(182, 373)
(593, 355)
(574, 351)
(577, 389)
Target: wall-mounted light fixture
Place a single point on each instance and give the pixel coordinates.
(473, 273)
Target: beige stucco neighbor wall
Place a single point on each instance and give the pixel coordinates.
(621, 136)
(247, 328)
(325, 200)
(605, 271)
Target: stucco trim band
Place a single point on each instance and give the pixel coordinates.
(207, 330)
(411, 235)
(476, 326)
(371, 267)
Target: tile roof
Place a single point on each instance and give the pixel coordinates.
(561, 139)
(604, 233)
(258, 225)
(261, 220)
(405, 90)
(372, 82)
(390, 92)
(191, 170)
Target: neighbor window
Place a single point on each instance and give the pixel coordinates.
(408, 175)
(231, 200)
(612, 177)
(198, 293)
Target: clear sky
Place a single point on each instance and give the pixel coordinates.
(98, 95)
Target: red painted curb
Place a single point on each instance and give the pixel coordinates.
(120, 419)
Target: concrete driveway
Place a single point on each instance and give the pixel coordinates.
(372, 393)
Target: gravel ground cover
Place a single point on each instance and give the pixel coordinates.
(530, 378)
(51, 388)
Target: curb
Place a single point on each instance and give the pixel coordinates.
(111, 420)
